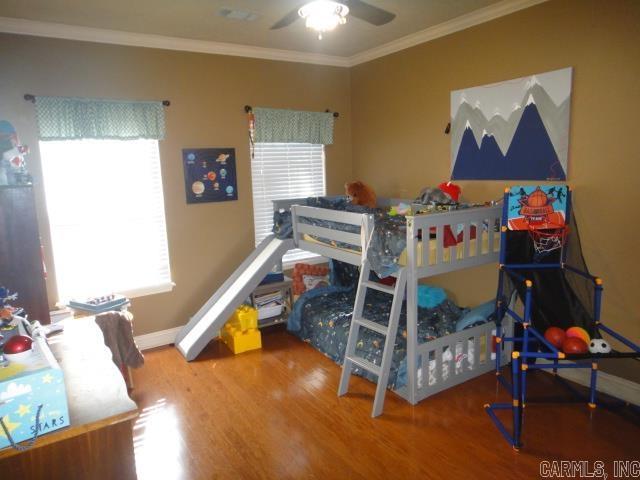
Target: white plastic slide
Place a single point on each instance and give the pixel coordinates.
(206, 323)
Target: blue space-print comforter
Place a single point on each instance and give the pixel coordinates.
(322, 317)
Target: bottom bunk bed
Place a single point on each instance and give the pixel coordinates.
(454, 344)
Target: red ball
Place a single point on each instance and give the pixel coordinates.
(555, 336)
(17, 344)
(574, 345)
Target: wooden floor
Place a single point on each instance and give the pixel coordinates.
(274, 414)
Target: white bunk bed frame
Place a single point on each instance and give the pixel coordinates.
(419, 265)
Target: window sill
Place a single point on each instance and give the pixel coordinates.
(149, 290)
(135, 292)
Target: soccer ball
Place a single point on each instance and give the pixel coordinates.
(598, 345)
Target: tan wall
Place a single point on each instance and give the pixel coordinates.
(400, 107)
(207, 94)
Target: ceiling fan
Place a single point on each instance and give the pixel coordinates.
(325, 15)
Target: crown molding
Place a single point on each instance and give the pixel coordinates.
(21, 26)
(462, 22)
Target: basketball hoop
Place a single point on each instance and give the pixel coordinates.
(549, 239)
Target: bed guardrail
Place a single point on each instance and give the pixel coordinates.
(453, 359)
(432, 246)
(443, 242)
(347, 245)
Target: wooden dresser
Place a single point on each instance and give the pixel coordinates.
(99, 442)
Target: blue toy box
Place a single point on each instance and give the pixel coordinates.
(32, 396)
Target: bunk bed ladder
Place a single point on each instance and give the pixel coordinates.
(351, 360)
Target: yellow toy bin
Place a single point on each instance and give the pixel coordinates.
(244, 318)
(240, 341)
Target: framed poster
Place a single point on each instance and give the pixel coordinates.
(210, 174)
(513, 130)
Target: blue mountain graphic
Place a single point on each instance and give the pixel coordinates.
(530, 156)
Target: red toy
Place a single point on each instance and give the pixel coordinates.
(17, 344)
(451, 189)
(18, 349)
(555, 336)
(574, 345)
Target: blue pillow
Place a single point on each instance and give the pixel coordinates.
(476, 316)
(430, 297)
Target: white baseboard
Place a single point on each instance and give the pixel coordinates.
(157, 339)
(160, 338)
(613, 385)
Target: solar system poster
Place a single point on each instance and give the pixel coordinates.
(210, 174)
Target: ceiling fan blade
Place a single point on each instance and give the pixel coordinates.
(369, 13)
(287, 20)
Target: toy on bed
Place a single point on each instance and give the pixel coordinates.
(402, 208)
(446, 194)
(360, 194)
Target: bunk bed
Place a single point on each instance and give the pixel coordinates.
(411, 249)
(348, 236)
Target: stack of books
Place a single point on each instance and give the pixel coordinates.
(269, 304)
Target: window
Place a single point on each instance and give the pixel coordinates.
(284, 170)
(106, 215)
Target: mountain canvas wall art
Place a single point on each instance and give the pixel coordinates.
(513, 130)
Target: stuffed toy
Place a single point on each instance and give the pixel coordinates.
(433, 196)
(451, 189)
(447, 193)
(360, 194)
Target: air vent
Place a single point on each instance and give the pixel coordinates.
(238, 15)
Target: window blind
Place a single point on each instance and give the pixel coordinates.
(284, 170)
(106, 214)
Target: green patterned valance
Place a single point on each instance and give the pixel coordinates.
(292, 126)
(66, 118)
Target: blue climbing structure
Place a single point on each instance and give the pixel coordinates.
(541, 264)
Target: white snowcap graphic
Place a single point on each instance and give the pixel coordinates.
(531, 82)
(467, 125)
(485, 133)
(14, 390)
(530, 100)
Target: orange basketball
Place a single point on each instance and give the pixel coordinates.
(580, 333)
(537, 199)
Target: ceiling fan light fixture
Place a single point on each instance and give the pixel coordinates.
(324, 15)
